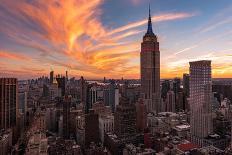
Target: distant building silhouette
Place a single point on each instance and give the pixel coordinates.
(186, 84)
(51, 77)
(170, 102)
(186, 91)
(66, 117)
(61, 84)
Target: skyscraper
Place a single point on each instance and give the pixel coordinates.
(165, 88)
(91, 128)
(83, 90)
(170, 101)
(186, 91)
(8, 102)
(66, 116)
(111, 95)
(51, 77)
(200, 100)
(141, 116)
(125, 119)
(66, 76)
(186, 84)
(150, 69)
(61, 84)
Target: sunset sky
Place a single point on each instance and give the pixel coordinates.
(97, 38)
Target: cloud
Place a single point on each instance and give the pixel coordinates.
(156, 18)
(70, 34)
(136, 2)
(216, 25)
(198, 44)
(218, 20)
(221, 64)
(13, 56)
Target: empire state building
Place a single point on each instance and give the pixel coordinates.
(150, 70)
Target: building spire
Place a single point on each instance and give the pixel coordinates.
(149, 28)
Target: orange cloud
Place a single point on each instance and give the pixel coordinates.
(76, 37)
(8, 55)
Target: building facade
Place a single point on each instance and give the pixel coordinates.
(106, 124)
(200, 100)
(125, 118)
(66, 117)
(150, 70)
(8, 102)
(170, 102)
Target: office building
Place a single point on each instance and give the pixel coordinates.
(8, 102)
(61, 84)
(125, 118)
(91, 128)
(186, 84)
(141, 116)
(51, 77)
(200, 100)
(170, 102)
(66, 117)
(150, 70)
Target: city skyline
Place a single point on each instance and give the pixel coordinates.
(96, 40)
(146, 101)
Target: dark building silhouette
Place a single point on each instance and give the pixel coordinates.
(61, 84)
(176, 85)
(141, 116)
(150, 70)
(186, 84)
(224, 88)
(176, 90)
(9, 118)
(110, 95)
(165, 88)
(8, 102)
(186, 91)
(124, 128)
(85, 89)
(66, 117)
(88, 104)
(125, 118)
(91, 128)
(51, 77)
(66, 76)
(45, 91)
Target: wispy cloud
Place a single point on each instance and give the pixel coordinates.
(8, 55)
(156, 18)
(222, 18)
(70, 34)
(216, 25)
(136, 2)
(72, 29)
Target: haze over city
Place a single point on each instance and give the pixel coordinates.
(101, 38)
